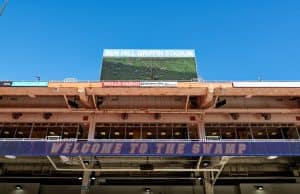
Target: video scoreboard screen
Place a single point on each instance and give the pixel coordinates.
(127, 64)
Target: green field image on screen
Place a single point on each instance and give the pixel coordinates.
(136, 68)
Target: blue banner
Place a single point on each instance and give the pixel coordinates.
(30, 84)
(149, 148)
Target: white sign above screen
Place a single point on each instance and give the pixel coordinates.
(172, 53)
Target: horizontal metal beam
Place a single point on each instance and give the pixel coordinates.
(129, 169)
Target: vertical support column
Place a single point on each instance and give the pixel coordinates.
(86, 174)
(85, 183)
(207, 183)
(91, 134)
(197, 187)
(201, 128)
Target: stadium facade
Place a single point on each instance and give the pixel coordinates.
(157, 131)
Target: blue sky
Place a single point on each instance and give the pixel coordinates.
(234, 39)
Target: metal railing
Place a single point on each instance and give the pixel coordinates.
(149, 140)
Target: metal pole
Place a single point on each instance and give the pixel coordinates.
(207, 183)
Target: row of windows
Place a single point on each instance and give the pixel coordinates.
(135, 132)
(254, 132)
(145, 133)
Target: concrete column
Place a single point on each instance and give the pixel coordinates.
(85, 183)
(197, 187)
(92, 126)
(207, 183)
(201, 130)
(86, 174)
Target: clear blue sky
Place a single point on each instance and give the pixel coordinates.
(234, 39)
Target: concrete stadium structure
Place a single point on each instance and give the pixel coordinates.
(152, 136)
(256, 112)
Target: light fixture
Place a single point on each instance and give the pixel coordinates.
(199, 178)
(117, 133)
(102, 133)
(66, 133)
(6, 132)
(149, 133)
(259, 187)
(52, 133)
(147, 190)
(86, 162)
(228, 133)
(163, 133)
(19, 187)
(274, 133)
(272, 157)
(177, 133)
(20, 132)
(130, 133)
(10, 157)
(93, 176)
(79, 178)
(214, 133)
(205, 163)
(260, 133)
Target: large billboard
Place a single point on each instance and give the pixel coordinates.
(131, 64)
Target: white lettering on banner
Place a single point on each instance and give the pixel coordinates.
(95, 148)
(218, 149)
(242, 148)
(143, 148)
(172, 53)
(161, 148)
(85, 148)
(207, 148)
(180, 148)
(170, 148)
(106, 148)
(75, 149)
(230, 148)
(55, 147)
(196, 149)
(67, 148)
(133, 147)
(118, 148)
(158, 84)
